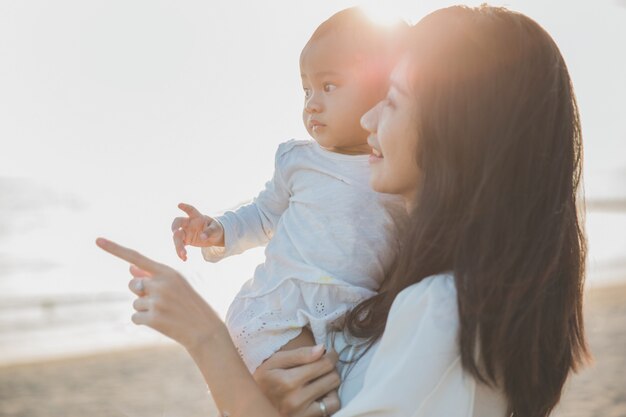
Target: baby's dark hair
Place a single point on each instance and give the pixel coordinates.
(370, 40)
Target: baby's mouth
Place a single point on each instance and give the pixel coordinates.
(314, 125)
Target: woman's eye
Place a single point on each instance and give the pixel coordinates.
(328, 87)
(307, 93)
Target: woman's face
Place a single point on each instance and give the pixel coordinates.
(392, 127)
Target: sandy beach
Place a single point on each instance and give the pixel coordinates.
(162, 381)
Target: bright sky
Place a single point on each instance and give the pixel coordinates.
(126, 107)
(193, 89)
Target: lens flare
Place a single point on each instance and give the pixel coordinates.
(382, 13)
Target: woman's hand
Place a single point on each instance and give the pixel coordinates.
(166, 301)
(296, 380)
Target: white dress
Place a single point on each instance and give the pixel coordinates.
(329, 239)
(415, 368)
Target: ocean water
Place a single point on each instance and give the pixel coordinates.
(61, 296)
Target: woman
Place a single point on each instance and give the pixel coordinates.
(482, 313)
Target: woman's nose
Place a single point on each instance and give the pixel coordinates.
(369, 121)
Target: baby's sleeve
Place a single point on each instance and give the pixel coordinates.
(417, 371)
(253, 224)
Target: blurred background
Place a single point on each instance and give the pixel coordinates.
(112, 112)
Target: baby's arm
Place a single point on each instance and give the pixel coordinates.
(253, 224)
(249, 226)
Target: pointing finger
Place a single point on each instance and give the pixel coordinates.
(131, 256)
(190, 210)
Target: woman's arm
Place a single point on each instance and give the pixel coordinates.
(233, 389)
(253, 224)
(291, 380)
(168, 304)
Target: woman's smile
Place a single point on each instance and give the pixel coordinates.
(376, 156)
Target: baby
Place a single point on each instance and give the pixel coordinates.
(329, 237)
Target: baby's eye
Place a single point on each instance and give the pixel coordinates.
(307, 92)
(328, 87)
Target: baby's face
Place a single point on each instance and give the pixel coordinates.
(337, 92)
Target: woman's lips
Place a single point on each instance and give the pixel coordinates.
(375, 156)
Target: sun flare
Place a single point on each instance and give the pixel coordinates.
(382, 13)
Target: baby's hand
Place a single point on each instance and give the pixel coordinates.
(195, 230)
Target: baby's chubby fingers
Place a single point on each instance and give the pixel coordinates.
(179, 244)
(190, 210)
(210, 229)
(180, 223)
(178, 228)
(212, 234)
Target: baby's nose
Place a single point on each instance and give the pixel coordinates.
(313, 105)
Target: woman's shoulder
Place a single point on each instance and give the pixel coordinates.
(437, 292)
(428, 307)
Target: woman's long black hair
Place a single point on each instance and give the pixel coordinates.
(500, 154)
